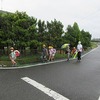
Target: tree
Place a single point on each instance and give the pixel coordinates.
(55, 31)
(21, 31)
(24, 29)
(41, 31)
(73, 35)
(86, 39)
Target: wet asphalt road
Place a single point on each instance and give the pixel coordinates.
(74, 80)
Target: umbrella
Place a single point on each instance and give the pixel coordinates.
(64, 46)
(17, 53)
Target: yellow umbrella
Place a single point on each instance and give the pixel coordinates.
(64, 46)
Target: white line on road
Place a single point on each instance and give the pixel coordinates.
(44, 89)
(99, 98)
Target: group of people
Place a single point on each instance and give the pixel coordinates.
(48, 54)
(76, 51)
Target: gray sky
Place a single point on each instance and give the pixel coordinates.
(85, 12)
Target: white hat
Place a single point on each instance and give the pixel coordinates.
(79, 42)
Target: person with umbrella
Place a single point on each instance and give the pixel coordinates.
(67, 52)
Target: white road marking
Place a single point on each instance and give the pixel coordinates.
(44, 89)
(89, 52)
(99, 98)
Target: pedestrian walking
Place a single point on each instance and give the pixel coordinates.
(74, 52)
(79, 50)
(44, 53)
(53, 53)
(68, 52)
(50, 53)
(12, 57)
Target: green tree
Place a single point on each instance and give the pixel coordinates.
(24, 29)
(41, 31)
(73, 35)
(55, 31)
(86, 39)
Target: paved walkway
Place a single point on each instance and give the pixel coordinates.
(37, 64)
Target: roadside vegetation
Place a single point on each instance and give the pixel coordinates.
(36, 58)
(28, 34)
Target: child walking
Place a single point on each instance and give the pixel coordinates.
(68, 52)
(12, 57)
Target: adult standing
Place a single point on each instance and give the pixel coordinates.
(79, 50)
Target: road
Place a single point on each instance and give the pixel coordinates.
(72, 80)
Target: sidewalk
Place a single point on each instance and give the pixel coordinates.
(41, 63)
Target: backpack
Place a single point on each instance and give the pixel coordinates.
(17, 53)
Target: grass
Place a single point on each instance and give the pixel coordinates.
(22, 60)
(94, 44)
(36, 58)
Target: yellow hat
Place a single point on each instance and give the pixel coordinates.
(11, 48)
(44, 45)
(50, 47)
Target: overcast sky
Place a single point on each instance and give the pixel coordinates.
(85, 12)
